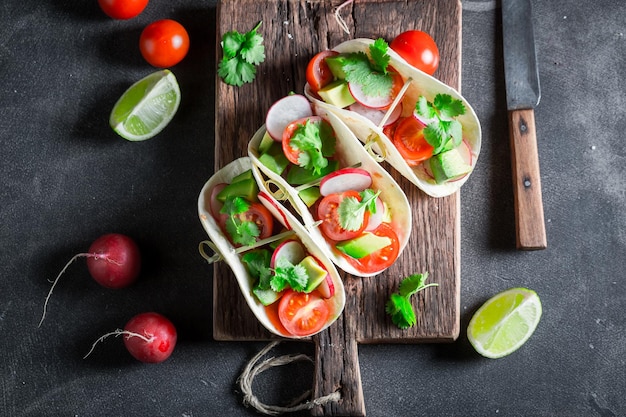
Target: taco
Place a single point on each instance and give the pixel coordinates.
(423, 128)
(352, 208)
(281, 271)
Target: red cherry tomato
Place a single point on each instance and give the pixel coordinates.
(292, 153)
(302, 314)
(408, 138)
(318, 73)
(383, 258)
(164, 43)
(328, 212)
(258, 214)
(122, 9)
(418, 49)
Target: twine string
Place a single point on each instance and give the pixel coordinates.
(256, 367)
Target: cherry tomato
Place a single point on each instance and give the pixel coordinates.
(418, 49)
(327, 211)
(122, 9)
(164, 43)
(318, 73)
(410, 142)
(258, 214)
(383, 258)
(302, 314)
(290, 152)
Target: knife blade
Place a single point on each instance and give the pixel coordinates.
(523, 93)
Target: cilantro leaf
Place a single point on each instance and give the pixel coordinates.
(314, 143)
(242, 231)
(359, 70)
(401, 311)
(351, 210)
(399, 304)
(380, 57)
(288, 274)
(443, 132)
(258, 264)
(242, 53)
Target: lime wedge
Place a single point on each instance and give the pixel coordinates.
(504, 322)
(146, 107)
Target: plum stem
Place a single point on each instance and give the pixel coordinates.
(118, 332)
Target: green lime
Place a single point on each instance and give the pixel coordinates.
(146, 107)
(504, 322)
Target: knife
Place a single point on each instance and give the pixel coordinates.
(522, 95)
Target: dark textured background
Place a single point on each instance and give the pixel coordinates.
(67, 178)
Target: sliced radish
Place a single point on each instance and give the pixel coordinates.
(285, 111)
(292, 250)
(274, 208)
(375, 115)
(345, 179)
(326, 287)
(376, 219)
(372, 102)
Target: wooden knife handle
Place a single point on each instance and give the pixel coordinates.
(529, 221)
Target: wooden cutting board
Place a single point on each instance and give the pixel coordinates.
(294, 30)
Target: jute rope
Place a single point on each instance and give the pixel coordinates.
(256, 366)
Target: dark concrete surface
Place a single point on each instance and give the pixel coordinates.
(67, 178)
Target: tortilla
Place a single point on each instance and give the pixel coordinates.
(350, 152)
(224, 248)
(368, 133)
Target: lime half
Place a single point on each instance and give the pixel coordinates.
(146, 107)
(504, 322)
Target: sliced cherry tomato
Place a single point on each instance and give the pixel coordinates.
(164, 43)
(328, 212)
(318, 73)
(302, 314)
(383, 258)
(410, 142)
(122, 9)
(258, 214)
(418, 49)
(292, 154)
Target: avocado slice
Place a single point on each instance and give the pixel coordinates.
(298, 175)
(337, 93)
(273, 157)
(246, 188)
(315, 271)
(363, 245)
(335, 64)
(266, 143)
(266, 297)
(448, 165)
(310, 195)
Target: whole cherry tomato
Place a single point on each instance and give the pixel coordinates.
(164, 43)
(122, 9)
(418, 49)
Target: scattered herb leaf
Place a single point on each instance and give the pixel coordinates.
(242, 53)
(399, 304)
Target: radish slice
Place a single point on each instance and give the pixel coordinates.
(345, 179)
(285, 111)
(376, 219)
(215, 204)
(368, 101)
(326, 287)
(375, 115)
(292, 250)
(274, 208)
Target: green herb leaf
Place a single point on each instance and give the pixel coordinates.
(443, 132)
(399, 304)
(288, 274)
(379, 55)
(258, 264)
(241, 55)
(241, 230)
(315, 142)
(351, 210)
(359, 70)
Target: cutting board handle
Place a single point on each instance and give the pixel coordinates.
(337, 370)
(529, 221)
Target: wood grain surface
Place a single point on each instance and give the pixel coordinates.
(294, 31)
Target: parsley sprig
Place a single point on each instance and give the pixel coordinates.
(443, 132)
(351, 210)
(241, 230)
(399, 304)
(242, 53)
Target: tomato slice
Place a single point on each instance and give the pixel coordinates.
(328, 212)
(258, 214)
(318, 73)
(302, 314)
(383, 258)
(409, 139)
(326, 134)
